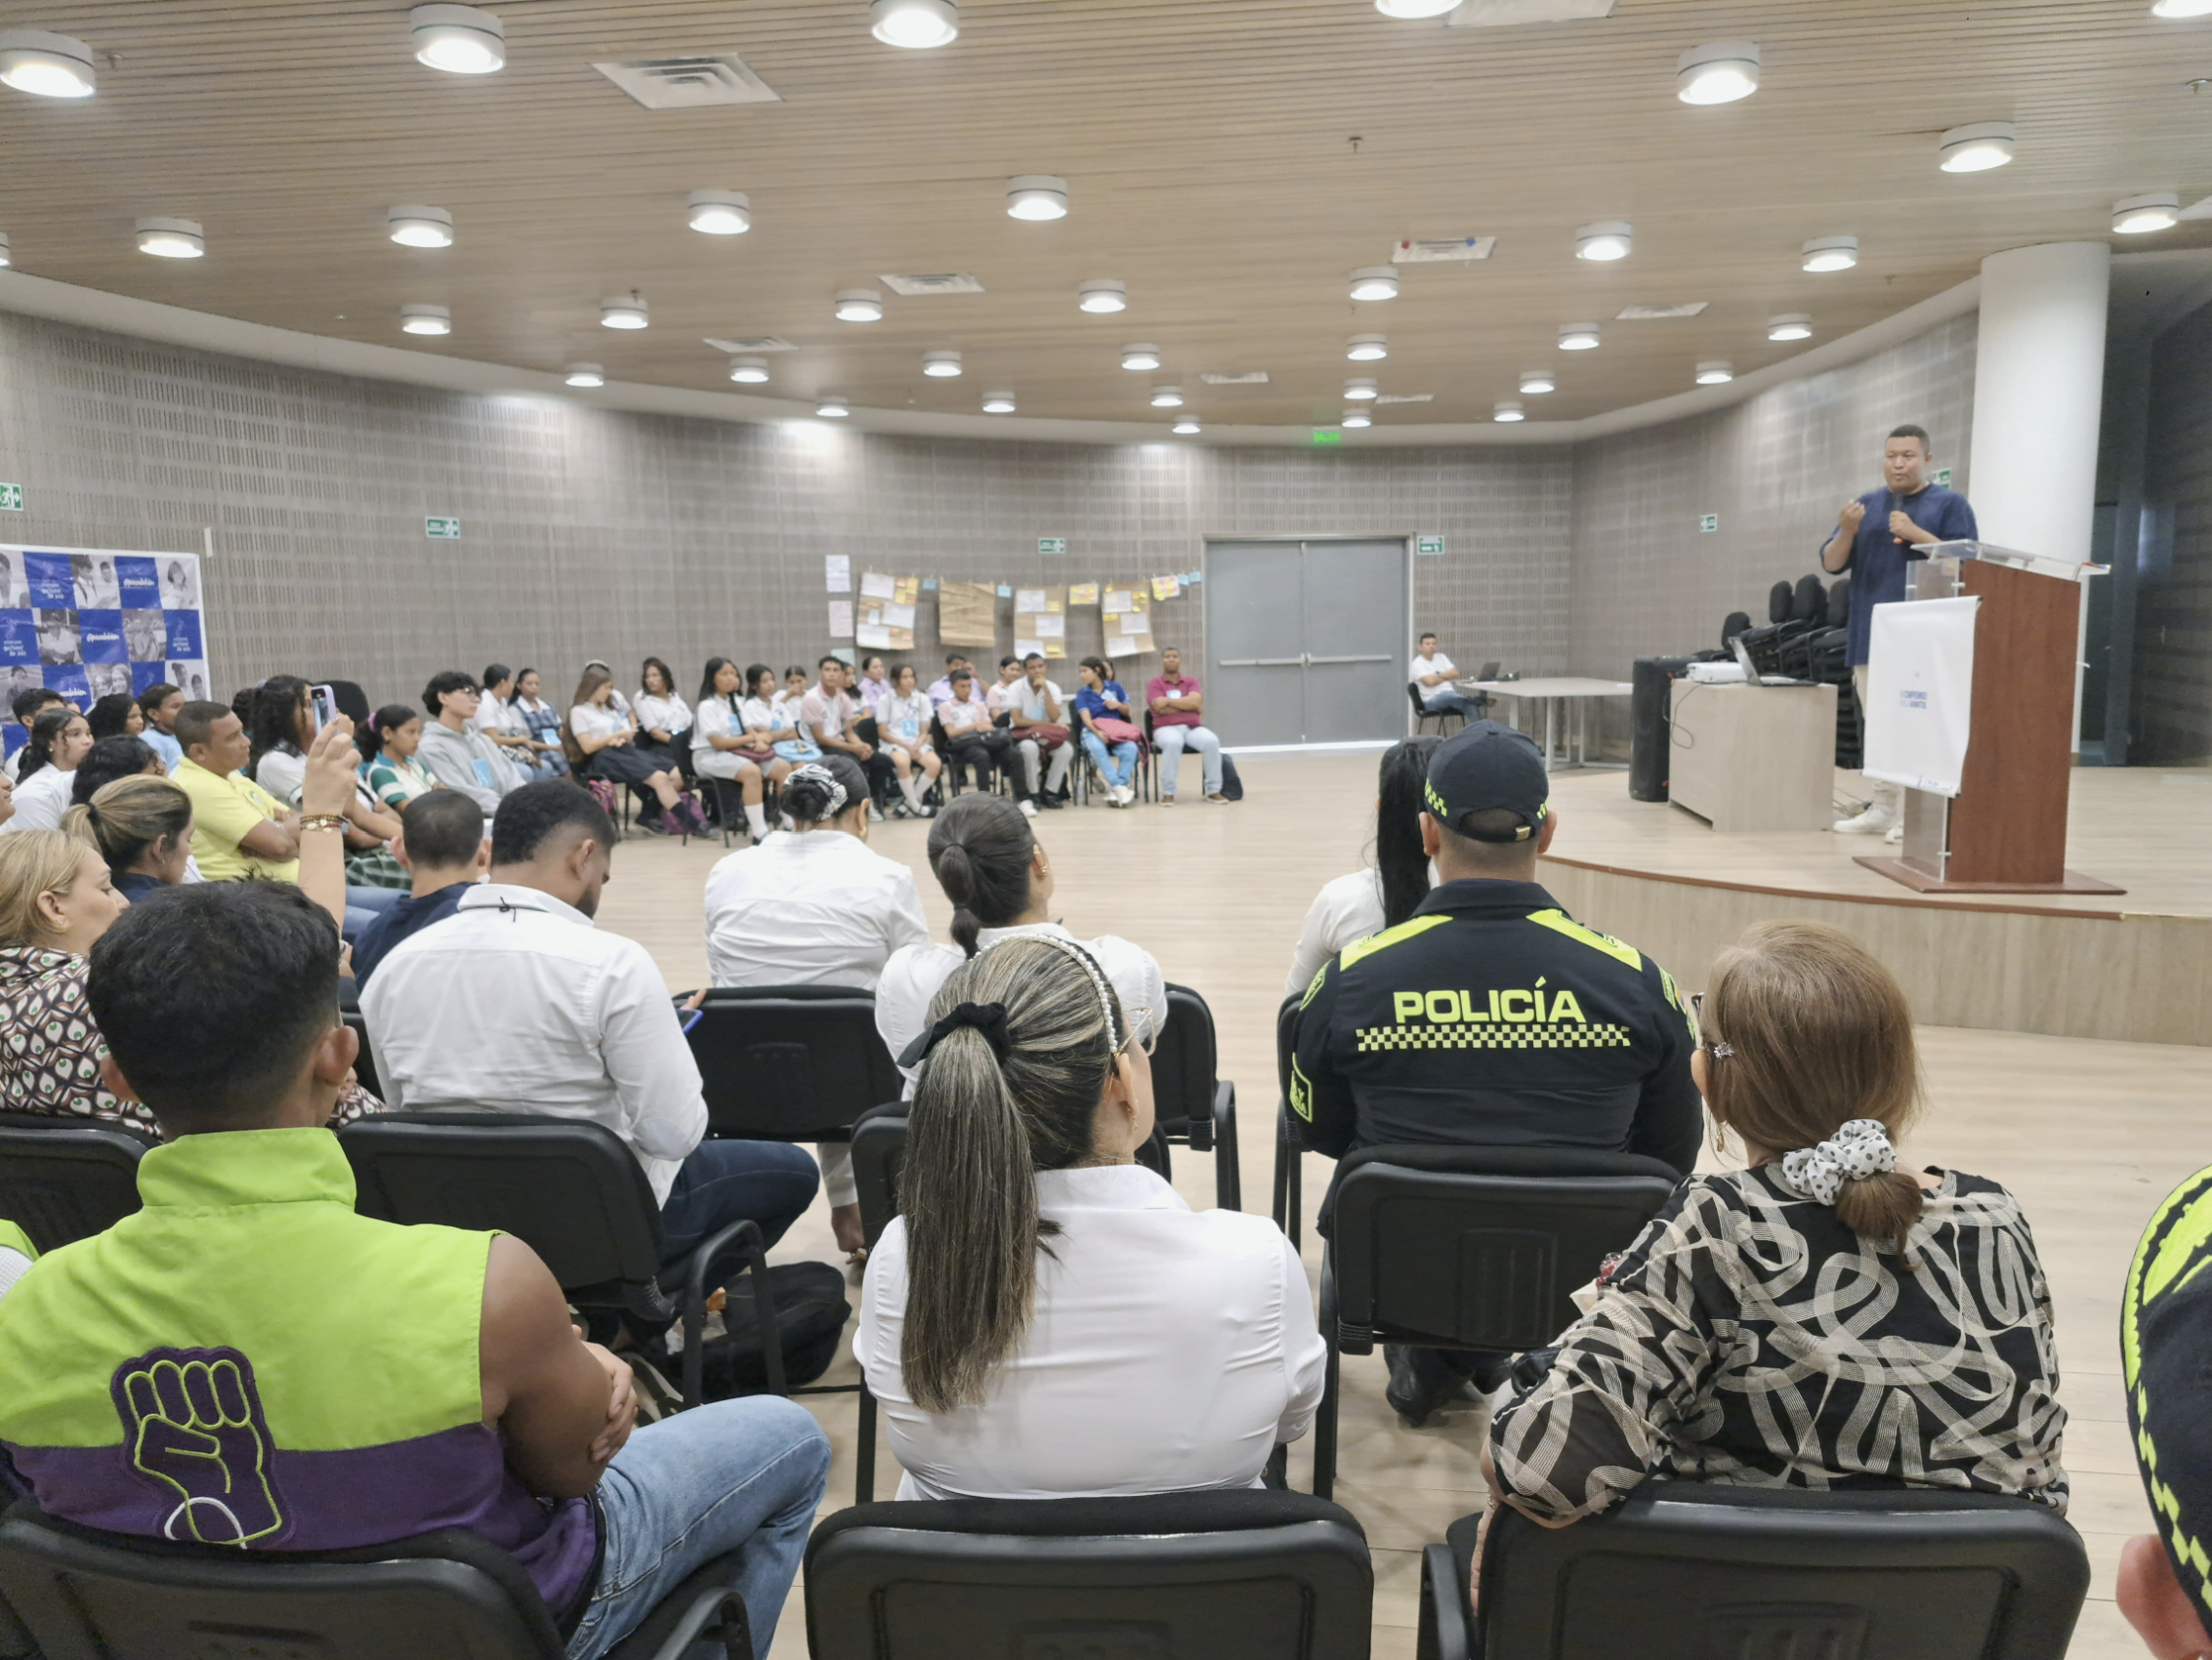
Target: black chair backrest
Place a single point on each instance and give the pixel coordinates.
(1778, 601)
(1839, 603)
(567, 1189)
(791, 1063)
(1413, 697)
(879, 1148)
(1183, 1065)
(1734, 624)
(63, 1180)
(364, 1061)
(1246, 1575)
(1481, 1247)
(1809, 603)
(1679, 1570)
(443, 1596)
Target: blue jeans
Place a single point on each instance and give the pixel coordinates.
(742, 1475)
(1171, 741)
(1451, 704)
(1118, 770)
(771, 1182)
(364, 905)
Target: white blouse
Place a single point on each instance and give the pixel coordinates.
(42, 799)
(716, 720)
(597, 720)
(1170, 1350)
(817, 908)
(671, 714)
(905, 720)
(763, 712)
(1345, 910)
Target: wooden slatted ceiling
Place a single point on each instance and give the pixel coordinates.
(1208, 147)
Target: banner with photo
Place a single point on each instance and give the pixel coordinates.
(87, 622)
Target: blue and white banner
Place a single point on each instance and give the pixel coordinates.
(87, 622)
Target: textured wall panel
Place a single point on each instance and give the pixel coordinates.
(2172, 716)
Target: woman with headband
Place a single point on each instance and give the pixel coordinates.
(1046, 1317)
(1822, 1318)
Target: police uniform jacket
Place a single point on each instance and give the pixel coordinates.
(1491, 1017)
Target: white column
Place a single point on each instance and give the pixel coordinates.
(2038, 397)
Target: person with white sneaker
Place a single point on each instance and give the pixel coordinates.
(1110, 730)
(1873, 540)
(1038, 711)
(903, 728)
(1178, 704)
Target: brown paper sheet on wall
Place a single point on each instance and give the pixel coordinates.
(967, 613)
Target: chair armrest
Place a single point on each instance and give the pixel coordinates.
(747, 1236)
(1228, 1174)
(719, 1607)
(1443, 1632)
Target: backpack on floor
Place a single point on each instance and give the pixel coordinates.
(810, 1311)
(1231, 785)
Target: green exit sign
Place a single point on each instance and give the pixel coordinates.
(1327, 435)
(1710, 522)
(442, 529)
(1943, 478)
(1430, 544)
(1052, 544)
(11, 498)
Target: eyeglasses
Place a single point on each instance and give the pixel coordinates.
(1718, 1051)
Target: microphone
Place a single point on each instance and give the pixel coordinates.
(1886, 512)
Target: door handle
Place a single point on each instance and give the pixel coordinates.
(1262, 662)
(1376, 660)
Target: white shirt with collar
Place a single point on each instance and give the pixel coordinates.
(1194, 1331)
(1000, 698)
(42, 799)
(1030, 701)
(670, 714)
(910, 979)
(809, 908)
(518, 1004)
(1439, 664)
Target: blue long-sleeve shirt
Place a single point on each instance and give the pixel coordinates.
(1878, 559)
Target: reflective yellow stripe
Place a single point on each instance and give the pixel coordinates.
(1388, 936)
(1558, 922)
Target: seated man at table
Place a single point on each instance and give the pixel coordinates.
(1434, 673)
(248, 1361)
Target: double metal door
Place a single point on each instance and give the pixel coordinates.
(1306, 641)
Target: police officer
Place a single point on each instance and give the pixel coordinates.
(1490, 1017)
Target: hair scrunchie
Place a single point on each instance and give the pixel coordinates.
(989, 1019)
(1859, 1147)
(823, 776)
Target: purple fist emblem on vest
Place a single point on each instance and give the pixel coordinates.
(193, 1427)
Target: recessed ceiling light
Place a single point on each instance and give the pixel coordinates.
(1720, 73)
(1715, 371)
(2180, 8)
(461, 40)
(1037, 195)
(720, 213)
(941, 365)
(1578, 337)
(46, 64)
(1167, 398)
(620, 313)
(1976, 147)
(858, 305)
(748, 371)
(1139, 356)
(1507, 410)
(2132, 216)
(831, 407)
(1607, 239)
(1358, 390)
(170, 238)
(1535, 381)
(7, 258)
(917, 24)
(1415, 8)
(1184, 423)
(1357, 417)
(998, 403)
(1368, 349)
(420, 227)
(1791, 325)
(425, 320)
(1101, 294)
(1832, 253)
(584, 374)
(1375, 282)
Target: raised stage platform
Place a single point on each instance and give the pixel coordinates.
(2137, 967)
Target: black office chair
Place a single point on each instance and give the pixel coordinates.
(573, 1194)
(1241, 1575)
(364, 1061)
(63, 1180)
(1732, 625)
(790, 1063)
(444, 1595)
(1422, 711)
(1189, 1102)
(1473, 1249)
(1289, 1208)
(1680, 1570)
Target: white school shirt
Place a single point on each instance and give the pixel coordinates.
(970, 718)
(1170, 1350)
(905, 720)
(283, 774)
(1439, 664)
(873, 695)
(515, 1003)
(490, 717)
(1030, 700)
(716, 720)
(999, 698)
(816, 907)
(597, 720)
(671, 714)
(910, 979)
(764, 712)
(41, 800)
(1346, 910)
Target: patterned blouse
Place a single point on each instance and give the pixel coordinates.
(50, 1050)
(1749, 1337)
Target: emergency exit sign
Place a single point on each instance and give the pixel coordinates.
(442, 529)
(1432, 545)
(1052, 544)
(1943, 478)
(1710, 522)
(11, 498)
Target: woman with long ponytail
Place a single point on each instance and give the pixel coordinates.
(1039, 1282)
(1366, 902)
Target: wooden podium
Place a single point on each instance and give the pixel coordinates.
(2005, 832)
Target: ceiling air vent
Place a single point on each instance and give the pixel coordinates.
(691, 82)
(1413, 252)
(757, 344)
(1648, 313)
(1407, 398)
(1250, 377)
(940, 282)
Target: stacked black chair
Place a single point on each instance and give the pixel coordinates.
(63, 1180)
(1732, 625)
(443, 1596)
(573, 1192)
(1473, 1249)
(1680, 1570)
(1422, 711)
(1241, 1575)
(1191, 1104)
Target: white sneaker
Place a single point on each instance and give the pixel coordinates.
(1896, 833)
(1028, 808)
(1874, 821)
(1126, 794)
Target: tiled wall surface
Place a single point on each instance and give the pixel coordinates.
(2172, 703)
(589, 533)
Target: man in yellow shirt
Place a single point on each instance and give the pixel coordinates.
(240, 830)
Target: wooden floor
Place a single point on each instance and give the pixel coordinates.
(2089, 1134)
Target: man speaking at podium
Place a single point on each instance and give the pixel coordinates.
(1873, 540)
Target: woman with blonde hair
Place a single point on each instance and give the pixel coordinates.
(142, 828)
(605, 741)
(1821, 1319)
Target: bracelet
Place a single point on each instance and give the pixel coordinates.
(323, 821)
